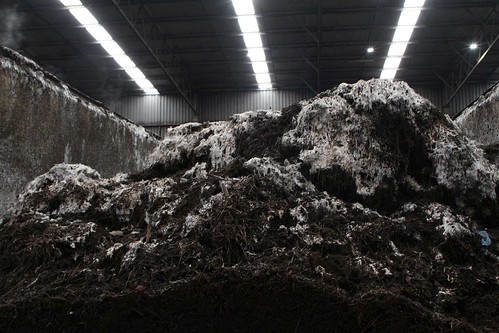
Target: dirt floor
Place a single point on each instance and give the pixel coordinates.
(274, 221)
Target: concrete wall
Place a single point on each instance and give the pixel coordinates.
(44, 122)
(480, 122)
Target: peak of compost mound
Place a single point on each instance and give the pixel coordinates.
(356, 211)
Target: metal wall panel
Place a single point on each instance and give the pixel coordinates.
(158, 130)
(439, 96)
(220, 106)
(466, 96)
(432, 93)
(158, 113)
(154, 110)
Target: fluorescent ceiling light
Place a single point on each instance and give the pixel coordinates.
(265, 86)
(135, 73)
(388, 74)
(262, 78)
(392, 63)
(260, 67)
(256, 54)
(69, 3)
(112, 47)
(397, 49)
(243, 7)
(403, 34)
(409, 16)
(144, 83)
(253, 40)
(405, 27)
(248, 24)
(100, 34)
(124, 61)
(414, 3)
(151, 92)
(83, 15)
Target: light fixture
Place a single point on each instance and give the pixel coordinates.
(260, 67)
(370, 49)
(473, 46)
(248, 24)
(100, 34)
(405, 27)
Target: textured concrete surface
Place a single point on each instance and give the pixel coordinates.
(480, 122)
(44, 122)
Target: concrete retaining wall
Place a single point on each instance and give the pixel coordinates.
(44, 122)
(480, 122)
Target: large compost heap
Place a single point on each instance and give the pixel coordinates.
(361, 210)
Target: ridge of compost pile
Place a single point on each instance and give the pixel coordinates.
(360, 210)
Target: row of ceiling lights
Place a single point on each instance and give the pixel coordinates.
(472, 46)
(248, 24)
(100, 34)
(252, 38)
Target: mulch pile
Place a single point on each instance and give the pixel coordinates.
(356, 211)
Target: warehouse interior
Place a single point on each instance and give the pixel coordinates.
(194, 54)
(249, 166)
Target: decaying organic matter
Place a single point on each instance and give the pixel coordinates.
(355, 211)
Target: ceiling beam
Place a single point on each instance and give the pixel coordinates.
(462, 82)
(164, 57)
(302, 29)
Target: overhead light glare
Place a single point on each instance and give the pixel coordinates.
(69, 3)
(392, 62)
(262, 78)
(243, 7)
(124, 61)
(260, 67)
(253, 40)
(473, 46)
(256, 54)
(83, 15)
(405, 27)
(403, 34)
(409, 16)
(100, 34)
(248, 24)
(135, 74)
(151, 91)
(370, 49)
(397, 49)
(414, 3)
(112, 47)
(388, 74)
(144, 83)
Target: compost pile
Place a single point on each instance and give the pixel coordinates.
(361, 210)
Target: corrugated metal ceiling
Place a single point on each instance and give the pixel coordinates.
(313, 44)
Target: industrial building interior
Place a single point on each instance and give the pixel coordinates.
(195, 48)
(249, 166)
